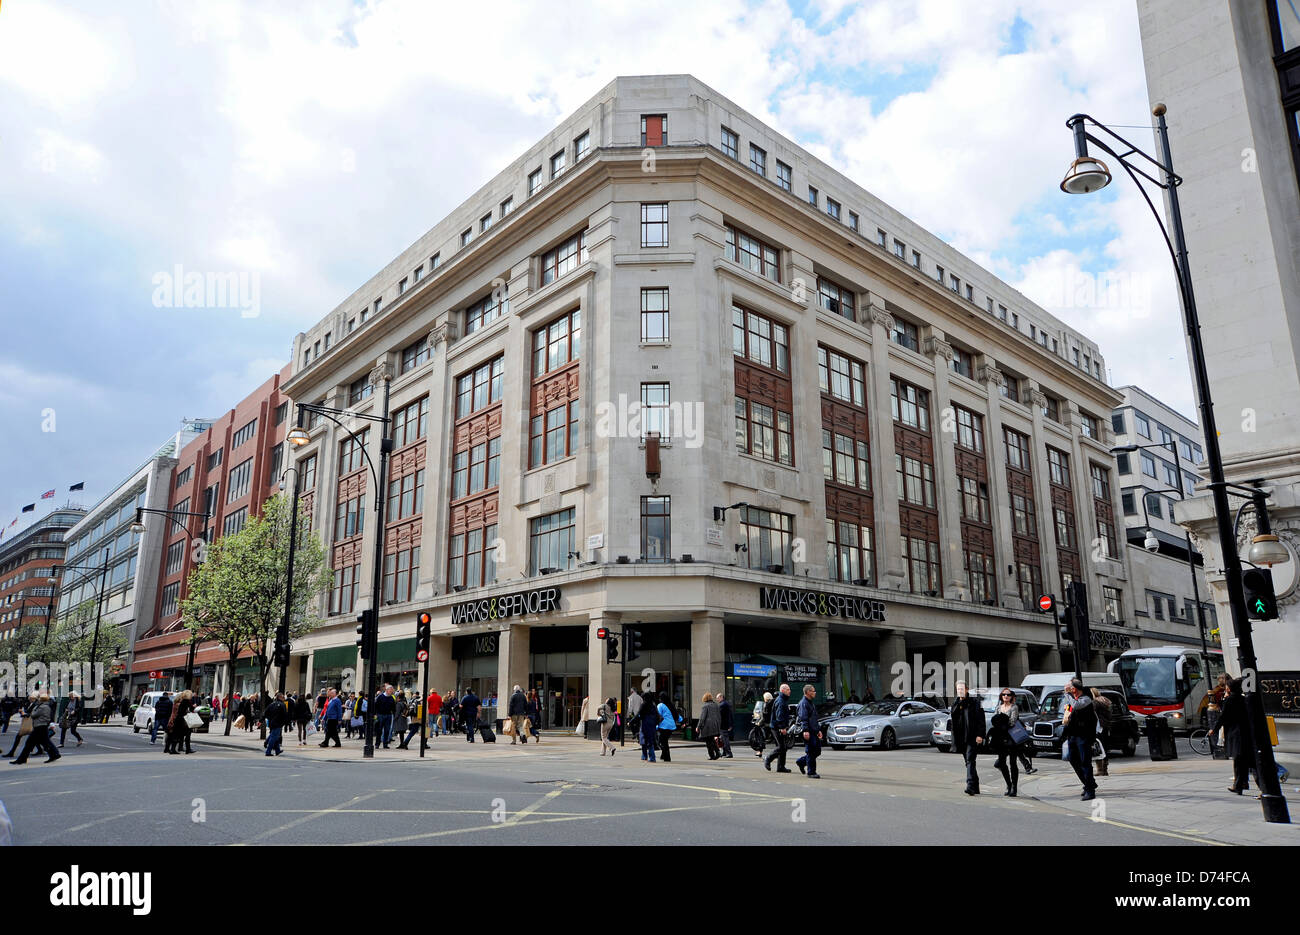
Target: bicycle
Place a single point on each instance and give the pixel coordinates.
(1199, 740)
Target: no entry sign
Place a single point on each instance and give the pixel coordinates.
(1045, 603)
(422, 655)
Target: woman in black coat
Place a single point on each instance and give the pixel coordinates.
(1232, 721)
(302, 716)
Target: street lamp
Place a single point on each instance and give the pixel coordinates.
(99, 594)
(1087, 175)
(299, 437)
(138, 527)
(282, 632)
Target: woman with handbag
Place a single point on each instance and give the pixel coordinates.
(1002, 742)
(1102, 705)
(649, 735)
(709, 725)
(38, 738)
(178, 728)
(605, 715)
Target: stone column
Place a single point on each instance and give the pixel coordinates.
(1052, 660)
(1047, 558)
(956, 659)
(892, 650)
(602, 676)
(442, 667)
(1095, 572)
(943, 434)
(708, 657)
(815, 641)
(884, 480)
(433, 531)
(1017, 664)
(512, 661)
(999, 497)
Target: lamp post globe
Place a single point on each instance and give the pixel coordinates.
(1267, 549)
(1086, 175)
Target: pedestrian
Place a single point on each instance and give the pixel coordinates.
(968, 734)
(385, 709)
(727, 714)
(469, 706)
(759, 740)
(277, 715)
(433, 711)
(1000, 742)
(246, 711)
(8, 705)
(414, 724)
(302, 717)
(1102, 704)
(42, 714)
(649, 734)
(534, 716)
(779, 722)
(162, 713)
(812, 734)
(1080, 733)
(667, 724)
(71, 717)
(1233, 721)
(178, 731)
(402, 716)
(581, 728)
(451, 711)
(517, 711)
(333, 714)
(605, 715)
(24, 713)
(1214, 711)
(709, 725)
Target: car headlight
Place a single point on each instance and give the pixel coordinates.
(940, 723)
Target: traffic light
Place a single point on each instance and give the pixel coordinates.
(1261, 602)
(280, 655)
(611, 648)
(363, 633)
(423, 623)
(1076, 613)
(633, 642)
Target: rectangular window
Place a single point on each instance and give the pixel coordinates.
(409, 422)
(464, 239)
(401, 290)
(406, 496)
(954, 283)
(281, 413)
(214, 459)
(1100, 482)
(784, 175)
(414, 355)
(485, 223)
(347, 581)
(479, 388)
(882, 238)
(551, 539)
(963, 363)
(401, 574)
(909, 404)
(565, 258)
(760, 339)
(813, 195)
(980, 577)
(916, 259)
(970, 430)
(654, 225)
(417, 273)
(435, 261)
(175, 558)
(1148, 464)
(1010, 388)
(494, 305)
(850, 555)
(1130, 504)
(730, 144)
(557, 344)
(507, 206)
(836, 298)
(351, 452)
(1051, 408)
(853, 221)
(833, 208)
(558, 164)
(1058, 467)
(581, 146)
(753, 254)
(758, 160)
(240, 476)
(654, 315)
(900, 249)
(905, 334)
(235, 521)
(1112, 601)
(656, 415)
(350, 517)
(277, 462)
(767, 536)
(243, 435)
(654, 129)
(970, 293)
(841, 377)
(974, 500)
(184, 477)
(1017, 449)
(656, 527)
(1029, 579)
(360, 389)
(1087, 425)
(472, 558)
(1064, 528)
(534, 181)
(915, 481)
(1002, 312)
(170, 600)
(308, 472)
(921, 558)
(938, 274)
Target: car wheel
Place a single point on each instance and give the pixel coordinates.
(943, 747)
(1130, 746)
(837, 746)
(136, 728)
(888, 740)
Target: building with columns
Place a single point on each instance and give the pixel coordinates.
(669, 372)
(1230, 77)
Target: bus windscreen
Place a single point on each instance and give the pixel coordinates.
(1149, 680)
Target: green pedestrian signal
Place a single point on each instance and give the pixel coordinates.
(1257, 585)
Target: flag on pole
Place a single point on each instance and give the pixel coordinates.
(49, 493)
(80, 485)
(29, 508)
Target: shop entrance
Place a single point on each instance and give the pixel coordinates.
(557, 665)
(563, 696)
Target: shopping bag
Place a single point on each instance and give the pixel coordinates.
(193, 721)
(25, 726)
(508, 727)
(311, 728)
(239, 723)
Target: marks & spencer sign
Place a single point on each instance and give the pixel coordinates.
(821, 604)
(505, 607)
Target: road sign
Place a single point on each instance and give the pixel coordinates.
(1045, 603)
(422, 655)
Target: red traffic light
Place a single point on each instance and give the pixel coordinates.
(1045, 603)
(425, 617)
(601, 633)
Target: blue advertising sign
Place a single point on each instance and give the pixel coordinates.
(746, 670)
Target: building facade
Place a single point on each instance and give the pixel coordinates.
(668, 371)
(26, 563)
(228, 473)
(1230, 76)
(1153, 482)
(103, 538)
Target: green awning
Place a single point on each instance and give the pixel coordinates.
(396, 651)
(335, 657)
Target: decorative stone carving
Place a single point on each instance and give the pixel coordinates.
(938, 347)
(445, 332)
(1038, 398)
(991, 375)
(382, 371)
(881, 317)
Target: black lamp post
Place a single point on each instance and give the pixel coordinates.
(282, 633)
(138, 526)
(99, 609)
(370, 637)
(1088, 174)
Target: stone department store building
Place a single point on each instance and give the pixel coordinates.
(887, 425)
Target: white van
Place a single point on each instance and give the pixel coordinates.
(1042, 683)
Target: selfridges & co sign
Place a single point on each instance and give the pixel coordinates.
(488, 609)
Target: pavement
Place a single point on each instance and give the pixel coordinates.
(562, 791)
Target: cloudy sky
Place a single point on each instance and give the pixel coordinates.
(310, 143)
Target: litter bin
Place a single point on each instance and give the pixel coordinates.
(1160, 739)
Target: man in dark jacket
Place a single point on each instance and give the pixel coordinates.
(780, 724)
(811, 732)
(8, 705)
(332, 715)
(1080, 732)
(162, 712)
(728, 716)
(385, 708)
(277, 715)
(1233, 722)
(968, 732)
(518, 712)
(469, 713)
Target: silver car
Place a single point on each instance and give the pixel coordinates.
(989, 698)
(883, 725)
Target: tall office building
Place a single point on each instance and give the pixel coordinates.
(668, 371)
(26, 557)
(1229, 74)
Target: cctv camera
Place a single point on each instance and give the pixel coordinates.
(1151, 544)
